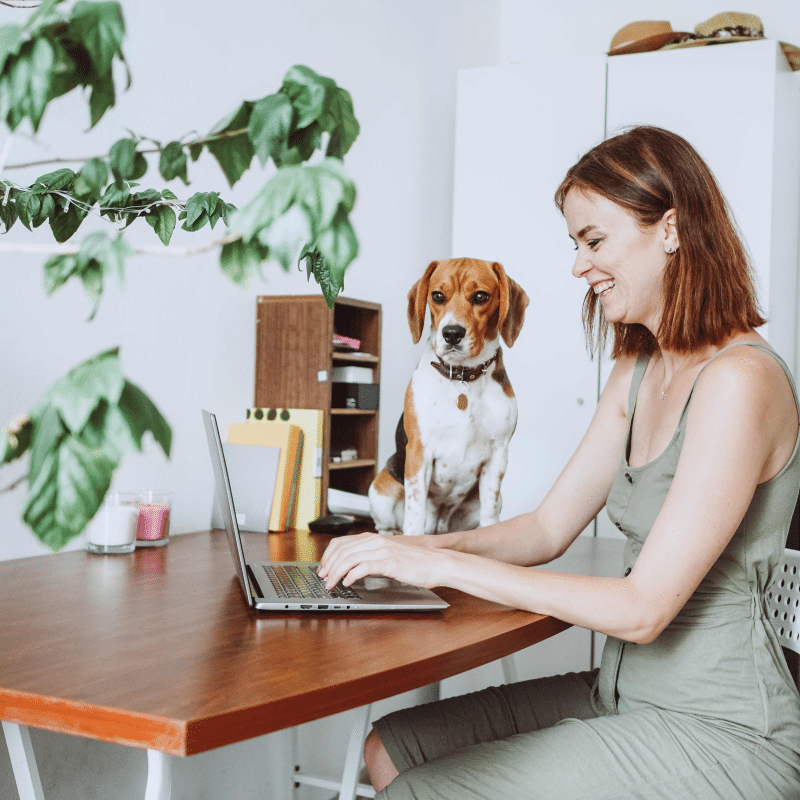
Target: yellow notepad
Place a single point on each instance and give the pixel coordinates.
(289, 438)
(309, 492)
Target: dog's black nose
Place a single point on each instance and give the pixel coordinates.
(453, 334)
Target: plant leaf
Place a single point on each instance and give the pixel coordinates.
(114, 199)
(60, 179)
(28, 205)
(102, 98)
(172, 163)
(8, 214)
(345, 128)
(11, 38)
(307, 90)
(316, 266)
(239, 258)
(92, 178)
(58, 270)
(77, 394)
(64, 222)
(287, 235)
(100, 27)
(122, 160)
(141, 415)
(48, 432)
(46, 208)
(162, 220)
(42, 59)
(233, 153)
(108, 431)
(68, 492)
(338, 246)
(270, 123)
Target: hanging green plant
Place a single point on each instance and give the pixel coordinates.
(83, 426)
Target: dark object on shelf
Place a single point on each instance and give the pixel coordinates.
(332, 524)
(355, 395)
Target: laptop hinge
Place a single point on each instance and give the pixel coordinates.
(254, 586)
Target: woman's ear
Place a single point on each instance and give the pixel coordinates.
(669, 223)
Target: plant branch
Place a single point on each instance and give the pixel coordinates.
(12, 486)
(216, 137)
(55, 250)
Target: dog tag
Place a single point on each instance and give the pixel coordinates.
(462, 402)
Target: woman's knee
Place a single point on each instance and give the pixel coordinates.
(380, 767)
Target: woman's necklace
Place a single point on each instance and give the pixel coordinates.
(665, 385)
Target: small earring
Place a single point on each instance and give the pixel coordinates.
(670, 250)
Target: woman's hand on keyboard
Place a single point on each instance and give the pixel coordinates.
(349, 558)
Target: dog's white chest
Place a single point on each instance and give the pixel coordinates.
(460, 441)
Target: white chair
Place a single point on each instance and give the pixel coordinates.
(783, 601)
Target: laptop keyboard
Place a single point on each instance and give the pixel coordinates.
(302, 582)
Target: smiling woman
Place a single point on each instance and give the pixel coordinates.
(708, 288)
(694, 452)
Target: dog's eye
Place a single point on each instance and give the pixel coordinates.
(479, 298)
(437, 298)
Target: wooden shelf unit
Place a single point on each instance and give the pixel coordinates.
(294, 361)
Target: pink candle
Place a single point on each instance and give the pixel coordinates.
(153, 522)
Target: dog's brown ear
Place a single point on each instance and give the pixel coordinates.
(513, 302)
(418, 302)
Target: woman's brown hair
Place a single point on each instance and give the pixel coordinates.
(708, 287)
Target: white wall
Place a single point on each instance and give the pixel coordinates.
(186, 332)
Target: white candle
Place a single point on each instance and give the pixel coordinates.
(113, 526)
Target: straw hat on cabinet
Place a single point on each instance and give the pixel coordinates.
(724, 28)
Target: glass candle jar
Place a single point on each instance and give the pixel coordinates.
(152, 529)
(113, 528)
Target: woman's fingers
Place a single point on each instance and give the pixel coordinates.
(343, 554)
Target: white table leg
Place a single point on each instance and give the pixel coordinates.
(283, 747)
(23, 761)
(347, 786)
(509, 669)
(352, 760)
(159, 776)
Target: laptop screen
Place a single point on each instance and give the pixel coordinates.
(226, 502)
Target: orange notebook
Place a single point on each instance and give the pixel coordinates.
(290, 440)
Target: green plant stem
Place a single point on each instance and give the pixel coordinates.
(12, 486)
(47, 249)
(226, 135)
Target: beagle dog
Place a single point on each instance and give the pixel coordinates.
(460, 411)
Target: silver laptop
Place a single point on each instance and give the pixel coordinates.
(295, 585)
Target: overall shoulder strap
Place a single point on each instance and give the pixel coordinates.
(636, 381)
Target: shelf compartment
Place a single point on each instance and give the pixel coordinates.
(354, 463)
(341, 357)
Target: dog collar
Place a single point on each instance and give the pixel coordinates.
(464, 374)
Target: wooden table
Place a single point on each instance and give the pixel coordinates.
(157, 649)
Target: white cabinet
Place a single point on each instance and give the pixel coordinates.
(739, 105)
(518, 131)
